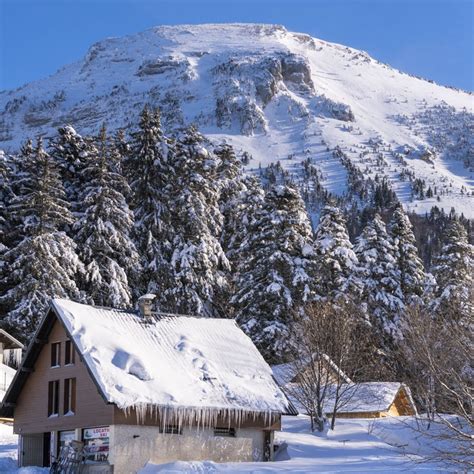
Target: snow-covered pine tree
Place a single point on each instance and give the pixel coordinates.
(453, 270)
(5, 196)
(44, 263)
(381, 278)
(121, 149)
(198, 262)
(412, 273)
(240, 215)
(229, 173)
(336, 262)
(275, 271)
(72, 152)
(103, 232)
(231, 184)
(23, 165)
(6, 237)
(149, 173)
(243, 210)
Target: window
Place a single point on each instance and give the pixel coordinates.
(65, 438)
(172, 429)
(69, 396)
(69, 356)
(53, 398)
(228, 432)
(56, 354)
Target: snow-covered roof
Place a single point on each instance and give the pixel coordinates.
(171, 361)
(286, 373)
(8, 341)
(366, 397)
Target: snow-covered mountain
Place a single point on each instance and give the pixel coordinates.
(277, 94)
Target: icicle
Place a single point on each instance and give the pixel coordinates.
(12, 357)
(199, 417)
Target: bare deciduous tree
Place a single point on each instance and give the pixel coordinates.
(438, 353)
(330, 343)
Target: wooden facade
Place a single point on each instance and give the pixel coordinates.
(31, 411)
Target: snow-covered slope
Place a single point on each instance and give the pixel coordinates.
(280, 95)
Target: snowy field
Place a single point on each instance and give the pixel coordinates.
(386, 445)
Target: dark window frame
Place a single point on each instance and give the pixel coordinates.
(69, 353)
(53, 398)
(55, 354)
(225, 432)
(69, 407)
(172, 429)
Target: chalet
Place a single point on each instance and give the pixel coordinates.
(134, 387)
(359, 400)
(10, 357)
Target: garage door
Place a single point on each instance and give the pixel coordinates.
(31, 449)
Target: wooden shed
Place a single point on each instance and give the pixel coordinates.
(376, 400)
(359, 400)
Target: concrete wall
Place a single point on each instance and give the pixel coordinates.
(132, 446)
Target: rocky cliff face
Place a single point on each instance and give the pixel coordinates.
(281, 96)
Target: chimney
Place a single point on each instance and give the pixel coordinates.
(145, 304)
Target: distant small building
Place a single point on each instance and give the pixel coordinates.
(358, 400)
(10, 358)
(374, 400)
(135, 387)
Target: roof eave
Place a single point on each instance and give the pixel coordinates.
(29, 358)
(83, 359)
(9, 341)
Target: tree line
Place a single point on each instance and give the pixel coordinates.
(103, 219)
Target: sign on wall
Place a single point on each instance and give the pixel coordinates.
(92, 433)
(96, 444)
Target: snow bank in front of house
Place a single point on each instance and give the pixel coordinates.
(9, 451)
(385, 445)
(172, 361)
(354, 446)
(8, 448)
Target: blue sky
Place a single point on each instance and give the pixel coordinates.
(430, 38)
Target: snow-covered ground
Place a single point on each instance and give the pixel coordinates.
(355, 446)
(8, 452)
(385, 445)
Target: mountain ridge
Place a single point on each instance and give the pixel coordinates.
(282, 96)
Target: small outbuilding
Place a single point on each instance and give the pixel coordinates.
(137, 386)
(374, 400)
(357, 400)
